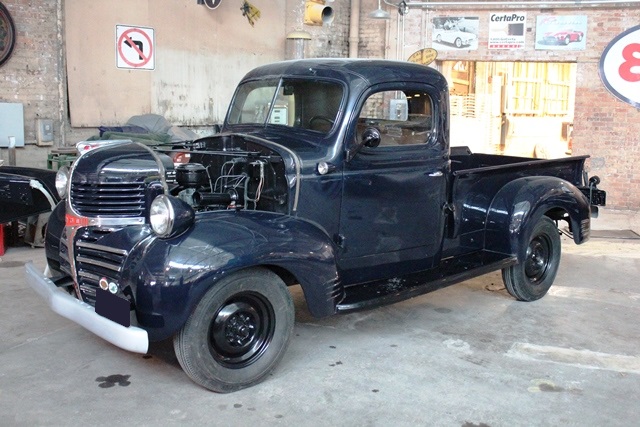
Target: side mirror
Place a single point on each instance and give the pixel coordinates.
(371, 137)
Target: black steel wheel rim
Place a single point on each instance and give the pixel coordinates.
(241, 330)
(538, 259)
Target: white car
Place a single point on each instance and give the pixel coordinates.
(455, 37)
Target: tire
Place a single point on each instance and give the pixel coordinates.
(7, 34)
(238, 332)
(530, 280)
(458, 43)
(567, 40)
(439, 38)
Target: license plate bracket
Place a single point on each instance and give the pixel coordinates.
(113, 307)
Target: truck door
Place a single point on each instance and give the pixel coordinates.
(392, 220)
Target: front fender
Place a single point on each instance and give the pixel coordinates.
(519, 205)
(171, 275)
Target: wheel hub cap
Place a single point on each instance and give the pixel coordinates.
(241, 330)
(537, 263)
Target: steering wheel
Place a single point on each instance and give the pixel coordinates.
(320, 119)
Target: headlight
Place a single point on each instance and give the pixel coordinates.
(62, 180)
(161, 216)
(170, 216)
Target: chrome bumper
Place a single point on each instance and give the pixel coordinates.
(132, 338)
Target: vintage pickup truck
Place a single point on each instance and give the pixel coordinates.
(333, 174)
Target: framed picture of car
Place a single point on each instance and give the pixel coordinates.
(7, 34)
(455, 33)
(565, 32)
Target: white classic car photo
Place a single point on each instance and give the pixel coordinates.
(454, 37)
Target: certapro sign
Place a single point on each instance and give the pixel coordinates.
(620, 66)
(135, 47)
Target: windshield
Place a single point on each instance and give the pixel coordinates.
(307, 104)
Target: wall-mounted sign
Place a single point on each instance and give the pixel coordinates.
(507, 30)
(7, 34)
(455, 32)
(135, 47)
(565, 32)
(424, 56)
(620, 66)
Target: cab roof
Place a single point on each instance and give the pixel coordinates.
(368, 71)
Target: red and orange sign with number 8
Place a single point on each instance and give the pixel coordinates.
(630, 68)
(620, 66)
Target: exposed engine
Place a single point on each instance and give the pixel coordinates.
(222, 180)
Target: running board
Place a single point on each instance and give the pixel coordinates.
(452, 270)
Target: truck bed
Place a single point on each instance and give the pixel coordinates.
(476, 179)
(464, 163)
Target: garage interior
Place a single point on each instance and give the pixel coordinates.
(468, 355)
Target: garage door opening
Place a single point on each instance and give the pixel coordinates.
(512, 108)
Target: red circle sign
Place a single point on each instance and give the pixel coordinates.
(126, 40)
(620, 66)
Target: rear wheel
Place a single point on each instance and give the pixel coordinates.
(458, 42)
(531, 279)
(238, 332)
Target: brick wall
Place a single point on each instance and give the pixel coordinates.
(32, 75)
(328, 40)
(604, 127)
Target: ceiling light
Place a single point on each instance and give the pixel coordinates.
(379, 13)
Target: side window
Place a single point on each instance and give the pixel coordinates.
(403, 117)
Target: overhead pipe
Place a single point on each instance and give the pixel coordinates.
(534, 4)
(354, 29)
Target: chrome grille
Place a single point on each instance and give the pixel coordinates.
(121, 199)
(94, 262)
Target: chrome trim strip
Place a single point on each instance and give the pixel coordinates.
(132, 338)
(102, 248)
(90, 276)
(80, 258)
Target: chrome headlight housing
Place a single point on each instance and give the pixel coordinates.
(62, 181)
(170, 216)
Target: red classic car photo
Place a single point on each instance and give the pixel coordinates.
(562, 37)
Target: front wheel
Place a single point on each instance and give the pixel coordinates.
(531, 279)
(238, 332)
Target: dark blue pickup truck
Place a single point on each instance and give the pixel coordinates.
(333, 174)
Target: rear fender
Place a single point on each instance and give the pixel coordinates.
(172, 275)
(519, 205)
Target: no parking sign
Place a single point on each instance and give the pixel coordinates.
(135, 47)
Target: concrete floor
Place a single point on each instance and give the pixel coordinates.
(468, 355)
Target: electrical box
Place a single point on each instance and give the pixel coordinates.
(44, 132)
(398, 109)
(11, 123)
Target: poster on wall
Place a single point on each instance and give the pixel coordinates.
(507, 30)
(566, 32)
(620, 66)
(455, 33)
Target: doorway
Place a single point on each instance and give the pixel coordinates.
(512, 108)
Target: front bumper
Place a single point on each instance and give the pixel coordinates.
(133, 339)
